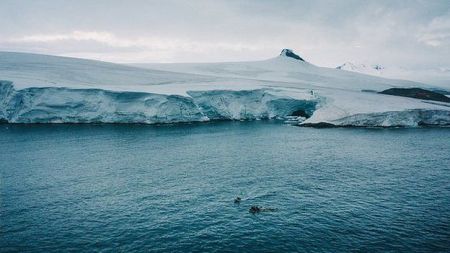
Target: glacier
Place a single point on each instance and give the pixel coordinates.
(64, 105)
(50, 89)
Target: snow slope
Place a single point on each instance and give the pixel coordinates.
(438, 77)
(376, 70)
(50, 89)
(287, 70)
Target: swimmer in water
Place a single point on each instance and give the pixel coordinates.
(257, 209)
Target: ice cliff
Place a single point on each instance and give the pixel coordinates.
(65, 105)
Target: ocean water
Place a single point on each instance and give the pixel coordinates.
(138, 188)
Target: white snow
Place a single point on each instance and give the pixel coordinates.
(50, 89)
(433, 77)
(376, 70)
(285, 72)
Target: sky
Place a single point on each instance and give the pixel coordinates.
(412, 34)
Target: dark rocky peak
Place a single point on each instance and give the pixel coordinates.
(289, 53)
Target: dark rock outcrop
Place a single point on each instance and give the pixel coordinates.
(416, 93)
(440, 91)
(318, 125)
(291, 54)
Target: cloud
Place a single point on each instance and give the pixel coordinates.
(102, 37)
(322, 31)
(111, 40)
(436, 33)
(92, 44)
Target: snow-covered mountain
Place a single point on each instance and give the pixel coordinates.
(439, 77)
(50, 89)
(376, 70)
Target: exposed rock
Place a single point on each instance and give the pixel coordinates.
(417, 93)
(318, 125)
(440, 91)
(291, 54)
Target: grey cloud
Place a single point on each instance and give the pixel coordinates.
(408, 33)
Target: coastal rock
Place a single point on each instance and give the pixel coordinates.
(417, 93)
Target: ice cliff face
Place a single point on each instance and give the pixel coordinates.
(407, 118)
(248, 104)
(62, 105)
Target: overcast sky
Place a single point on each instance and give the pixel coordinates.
(413, 34)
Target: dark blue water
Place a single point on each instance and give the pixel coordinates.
(118, 188)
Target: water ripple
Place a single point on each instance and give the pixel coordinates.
(171, 189)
